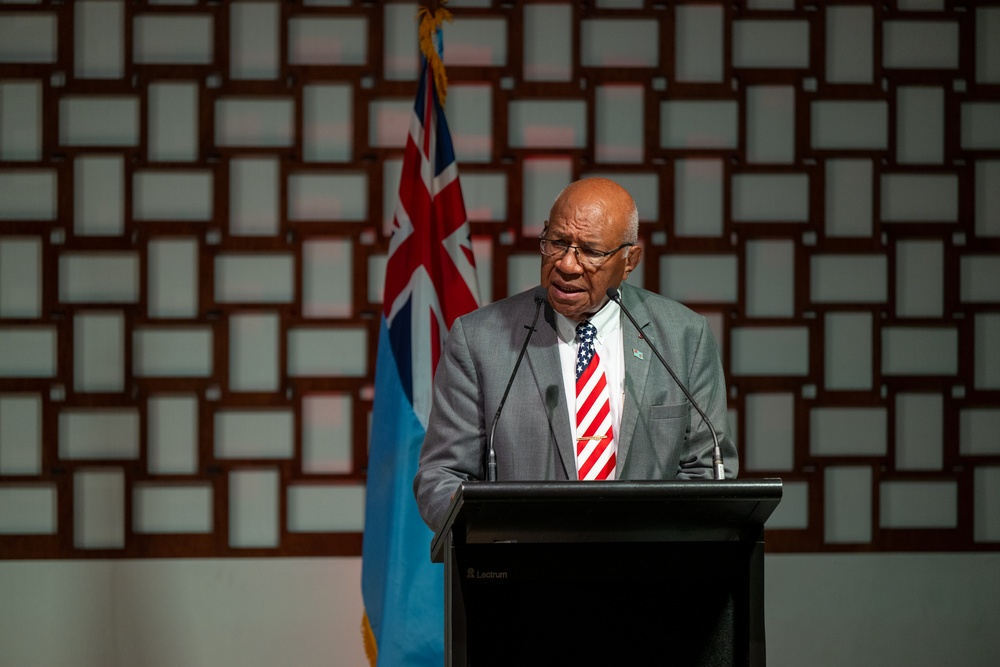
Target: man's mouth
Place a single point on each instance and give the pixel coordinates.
(568, 289)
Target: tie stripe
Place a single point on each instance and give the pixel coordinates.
(595, 446)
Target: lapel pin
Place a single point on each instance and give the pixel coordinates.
(636, 353)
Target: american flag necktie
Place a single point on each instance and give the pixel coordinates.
(595, 438)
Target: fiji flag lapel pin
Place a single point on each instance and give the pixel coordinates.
(636, 353)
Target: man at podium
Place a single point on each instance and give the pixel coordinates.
(591, 400)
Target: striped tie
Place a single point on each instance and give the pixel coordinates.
(595, 439)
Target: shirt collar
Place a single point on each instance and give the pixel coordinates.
(606, 320)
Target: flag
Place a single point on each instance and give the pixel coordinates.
(430, 281)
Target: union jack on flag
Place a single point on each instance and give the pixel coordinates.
(430, 281)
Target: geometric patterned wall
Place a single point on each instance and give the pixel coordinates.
(194, 199)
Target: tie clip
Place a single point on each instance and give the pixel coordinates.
(591, 437)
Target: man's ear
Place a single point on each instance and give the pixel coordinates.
(632, 260)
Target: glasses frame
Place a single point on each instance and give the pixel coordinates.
(583, 260)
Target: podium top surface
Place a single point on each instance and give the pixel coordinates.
(617, 511)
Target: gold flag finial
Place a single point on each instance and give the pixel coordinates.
(430, 23)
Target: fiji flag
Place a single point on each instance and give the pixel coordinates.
(430, 280)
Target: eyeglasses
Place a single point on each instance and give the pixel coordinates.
(587, 256)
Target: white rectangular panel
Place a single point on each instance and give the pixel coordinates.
(919, 350)
(327, 278)
(849, 124)
(908, 504)
(988, 198)
(20, 120)
(698, 196)
(919, 197)
(548, 42)
(987, 354)
(699, 278)
(770, 351)
(254, 196)
(773, 44)
(770, 278)
(99, 195)
(847, 515)
(919, 278)
(254, 42)
(172, 429)
(173, 121)
(543, 180)
(699, 37)
(20, 276)
(328, 197)
(99, 277)
(327, 427)
(699, 124)
(28, 37)
(28, 351)
(850, 39)
(173, 195)
(986, 498)
(401, 54)
(99, 509)
(259, 278)
(470, 121)
(99, 351)
(327, 351)
(173, 39)
(980, 121)
(328, 122)
(547, 123)
(28, 509)
(848, 351)
(920, 44)
(99, 39)
(172, 352)
(111, 120)
(173, 509)
(841, 431)
(848, 278)
(977, 431)
(849, 198)
(919, 431)
(172, 277)
(619, 42)
(264, 122)
(253, 508)
(99, 433)
(618, 119)
(770, 114)
(28, 195)
(254, 434)
(328, 508)
(475, 41)
(20, 434)
(253, 351)
(919, 125)
(770, 432)
(314, 40)
(485, 196)
(770, 197)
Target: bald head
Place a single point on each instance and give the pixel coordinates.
(611, 202)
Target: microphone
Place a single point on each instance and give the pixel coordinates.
(491, 453)
(718, 468)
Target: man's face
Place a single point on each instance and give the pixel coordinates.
(574, 288)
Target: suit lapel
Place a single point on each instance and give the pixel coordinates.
(543, 359)
(637, 360)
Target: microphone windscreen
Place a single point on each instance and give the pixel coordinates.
(541, 294)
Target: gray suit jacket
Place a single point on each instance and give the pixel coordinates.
(661, 436)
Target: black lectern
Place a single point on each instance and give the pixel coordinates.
(606, 573)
